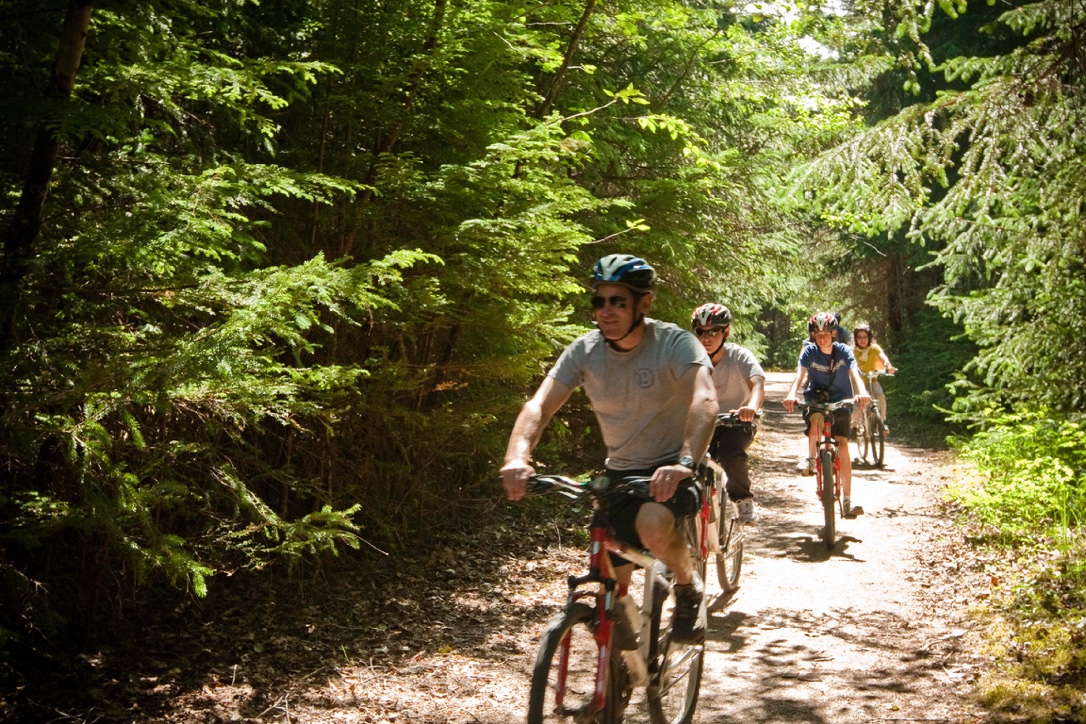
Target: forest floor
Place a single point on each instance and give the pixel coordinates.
(876, 630)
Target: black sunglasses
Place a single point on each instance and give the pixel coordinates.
(709, 331)
(618, 302)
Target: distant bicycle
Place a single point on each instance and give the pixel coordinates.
(828, 468)
(871, 432)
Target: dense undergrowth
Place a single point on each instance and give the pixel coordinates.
(1028, 504)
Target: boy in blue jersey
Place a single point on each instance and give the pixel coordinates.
(829, 368)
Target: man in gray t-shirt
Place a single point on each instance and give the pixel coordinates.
(651, 388)
(740, 388)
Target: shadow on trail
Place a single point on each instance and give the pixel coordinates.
(796, 656)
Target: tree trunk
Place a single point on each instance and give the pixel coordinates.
(559, 77)
(393, 134)
(26, 223)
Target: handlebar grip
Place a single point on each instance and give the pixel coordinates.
(538, 485)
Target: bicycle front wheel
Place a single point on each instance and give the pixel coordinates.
(672, 696)
(729, 561)
(865, 438)
(825, 471)
(563, 687)
(878, 440)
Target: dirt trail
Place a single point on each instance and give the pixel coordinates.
(871, 631)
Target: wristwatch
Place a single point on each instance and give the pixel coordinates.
(688, 462)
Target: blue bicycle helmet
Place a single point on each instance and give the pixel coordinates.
(625, 269)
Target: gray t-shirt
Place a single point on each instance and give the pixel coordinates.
(635, 394)
(730, 376)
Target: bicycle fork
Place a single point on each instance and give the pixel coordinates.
(600, 571)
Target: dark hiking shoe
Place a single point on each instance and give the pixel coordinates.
(689, 617)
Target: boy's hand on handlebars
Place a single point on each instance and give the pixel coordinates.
(746, 414)
(789, 403)
(863, 400)
(515, 474)
(665, 481)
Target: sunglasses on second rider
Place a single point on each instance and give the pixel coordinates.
(617, 301)
(709, 331)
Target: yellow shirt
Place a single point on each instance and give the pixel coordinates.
(869, 358)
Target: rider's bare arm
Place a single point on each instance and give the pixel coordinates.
(750, 408)
(531, 422)
(861, 395)
(793, 391)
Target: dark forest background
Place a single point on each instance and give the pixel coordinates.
(277, 276)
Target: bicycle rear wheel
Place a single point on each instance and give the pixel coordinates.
(672, 695)
(825, 472)
(864, 437)
(878, 439)
(550, 701)
(729, 561)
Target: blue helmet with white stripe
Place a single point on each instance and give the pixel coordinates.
(625, 269)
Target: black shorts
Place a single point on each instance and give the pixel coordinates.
(842, 419)
(622, 510)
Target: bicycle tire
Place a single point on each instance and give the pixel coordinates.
(693, 543)
(729, 561)
(575, 621)
(865, 437)
(672, 696)
(825, 471)
(878, 441)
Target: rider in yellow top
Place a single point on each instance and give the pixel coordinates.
(870, 357)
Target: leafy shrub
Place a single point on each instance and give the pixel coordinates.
(1034, 467)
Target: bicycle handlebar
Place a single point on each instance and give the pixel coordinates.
(877, 373)
(825, 406)
(539, 484)
(731, 419)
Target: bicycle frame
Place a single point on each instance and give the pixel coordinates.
(601, 571)
(600, 585)
(871, 432)
(869, 380)
(828, 443)
(828, 446)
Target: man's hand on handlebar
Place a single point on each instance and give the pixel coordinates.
(515, 474)
(665, 481)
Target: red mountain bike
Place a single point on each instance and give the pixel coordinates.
(578, 675)
(828, 467)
